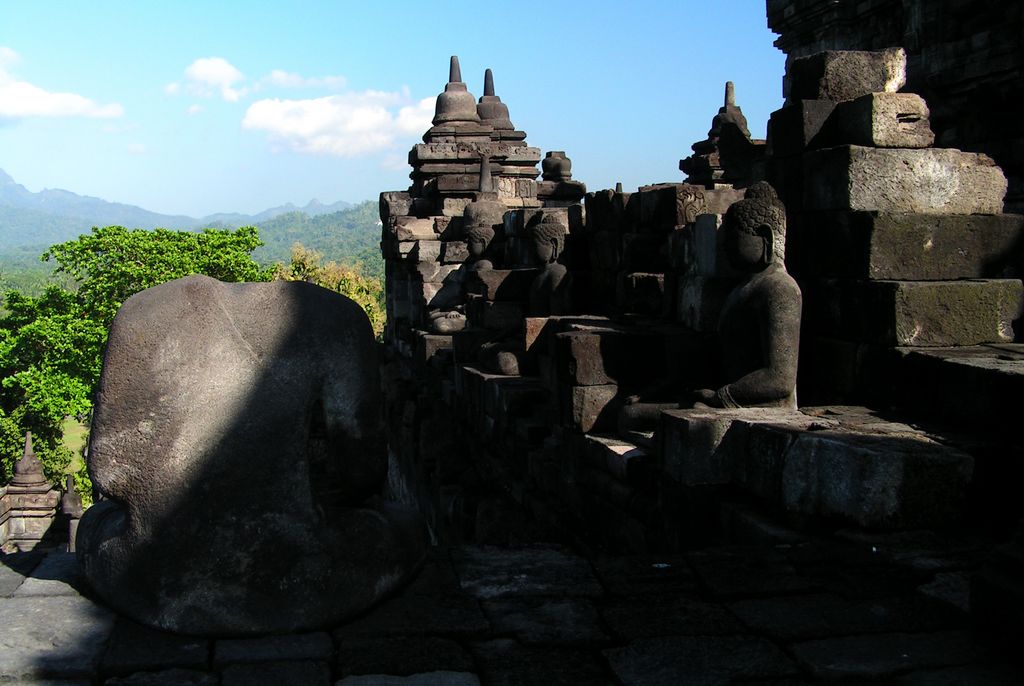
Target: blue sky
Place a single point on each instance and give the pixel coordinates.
(194, 108)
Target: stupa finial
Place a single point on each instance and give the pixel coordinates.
(454, 71)
(488, 82)
(730, 94)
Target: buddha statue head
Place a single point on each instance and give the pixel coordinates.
(755, 230)
(547, 239)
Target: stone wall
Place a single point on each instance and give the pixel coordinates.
(964, 58)
(505, 424)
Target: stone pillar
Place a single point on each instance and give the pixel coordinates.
(30, 504)
(72, 510)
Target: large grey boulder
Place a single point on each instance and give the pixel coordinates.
(237, 443)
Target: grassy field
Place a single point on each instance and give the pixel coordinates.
(75, 435)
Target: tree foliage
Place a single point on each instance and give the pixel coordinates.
(51, 345)
(366, 291)
(113, 263)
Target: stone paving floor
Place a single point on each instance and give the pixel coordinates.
(850, 610)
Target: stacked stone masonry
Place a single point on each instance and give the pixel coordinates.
(506, 428)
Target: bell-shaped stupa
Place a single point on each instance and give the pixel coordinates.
(456, 105)
(491, 109)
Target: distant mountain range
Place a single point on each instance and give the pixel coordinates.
(52, 216)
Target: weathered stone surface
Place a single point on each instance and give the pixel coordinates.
(700, 300)
(747, 571)
(875, 480)
(169, 677)
(501, 284)
(579, 359)
(998, 674)
(438, 678)
(622, 460)
(915, 247)
(646, 575)
(883, 120)
(799, 126)
(657, 615)
(136, 648)
(503, 662)
(919, 313)
(414, 229)
(277, 674)
(590, 408)
(934, 180)
(57, 574)
(883, 655)
(699, 660)
(706, 446)
(273, 649)
(846, 74)
(803, 617)
(406, 656)
(489, 572)
(546, 621)
(938, 379)
(60, 636)
(227, 514)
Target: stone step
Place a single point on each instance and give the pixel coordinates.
(914, 313)
(976, 387)
(830, 463)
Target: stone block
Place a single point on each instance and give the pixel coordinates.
(454, 252)
(136, 648)
(428, 345)
(401, 656)
(579, 359)
(846, 74)
(457, 182)
(883, 120)
(394, 204)
(501, 284)
(799, 126)
(665, 206)
(316, 646)
(875, 480)
(702, 447)
(488, 572)
(62, 636)
(424, 250)
(414, 229)
(504, 662)
(700, 301)
(671, 660)
(454, 207)
(913, 247)
(165, 677)
(640, 293)
(590, 408)
(622, 460)
(277, 674)
(877, 657)
(493, 315)
(546, 621)
(917, 313)
(933, 181)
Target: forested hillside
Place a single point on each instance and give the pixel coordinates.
(348, 237)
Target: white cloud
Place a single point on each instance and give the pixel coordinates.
(8, 57)
(137, 148)
(346, 125)
(284, 79)
(195, 109)
(19, 99)
(211, 76)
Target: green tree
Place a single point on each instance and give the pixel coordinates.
(366, 291)
(113, 263)
(51, 345)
